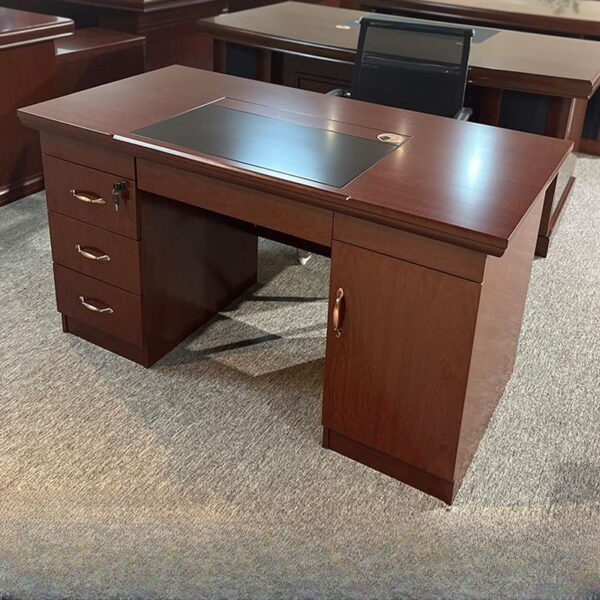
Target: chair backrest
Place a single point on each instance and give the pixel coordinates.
(416, 66)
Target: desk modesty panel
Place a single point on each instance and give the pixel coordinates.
(431, 247)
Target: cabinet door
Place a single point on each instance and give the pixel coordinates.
(396, 376)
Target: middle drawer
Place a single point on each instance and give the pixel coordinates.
(95, 252)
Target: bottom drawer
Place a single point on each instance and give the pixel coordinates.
(100, 305)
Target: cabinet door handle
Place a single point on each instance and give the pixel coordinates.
(87, 303)
(87, 253)
(337, 307)
(87, 197)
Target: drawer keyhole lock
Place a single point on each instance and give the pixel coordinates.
(117, 190)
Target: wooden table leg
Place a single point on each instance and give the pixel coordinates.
(490, 104)
(219, 56)
(564, 121)
(263, 65)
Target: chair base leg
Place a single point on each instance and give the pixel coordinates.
(303, 256)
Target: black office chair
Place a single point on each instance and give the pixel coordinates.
(415, 66)
(421, 67)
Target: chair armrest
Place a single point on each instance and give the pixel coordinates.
(463, 114)
(338, 92)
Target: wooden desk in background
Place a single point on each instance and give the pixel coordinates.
(169, 26)
(574, 18)
(94, 56)
(521, 81)
(41, 58)
(27, 75)
(577, 18)
(431, 245)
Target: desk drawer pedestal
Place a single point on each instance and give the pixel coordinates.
(140, 279)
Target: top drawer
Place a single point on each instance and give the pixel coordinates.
(86, 195)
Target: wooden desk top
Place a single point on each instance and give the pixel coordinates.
(509, 59)
(90, 40)
(564, 17)
(18, 27)
(466, 183)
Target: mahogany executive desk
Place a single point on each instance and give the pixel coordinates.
(517, 80)
(431, 246)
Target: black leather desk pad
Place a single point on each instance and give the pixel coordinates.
(319, 155)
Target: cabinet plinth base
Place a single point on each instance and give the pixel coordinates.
(384, 463)
(108, 342)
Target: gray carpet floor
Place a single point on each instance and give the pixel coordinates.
(204, 476)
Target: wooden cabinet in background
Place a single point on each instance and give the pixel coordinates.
(27, 76)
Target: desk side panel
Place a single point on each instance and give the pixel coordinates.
(502, 304)
(193, 265)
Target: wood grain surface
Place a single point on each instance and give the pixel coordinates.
(580, 18)
(471, 182)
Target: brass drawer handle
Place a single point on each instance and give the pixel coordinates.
(87, 253)
(337, 330)
(87, 197)
(85, 302)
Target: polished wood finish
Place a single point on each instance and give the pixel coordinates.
(501, 308)
(418, 403)
(311, 223)
(193, 266)
(413, 248)
(27, 75)
(170, 31)
(169, 26)
(94, 56)
(430, 484)
(121, 269)
(138, 354)
(568, 17)
(125, 320)
(18, 28)
(590, 146)
(395, 379)
(101, 155)
(554, 205)
(193, 263)
(432, 246)
(313, 47)
(63, 177)
(482, 205)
